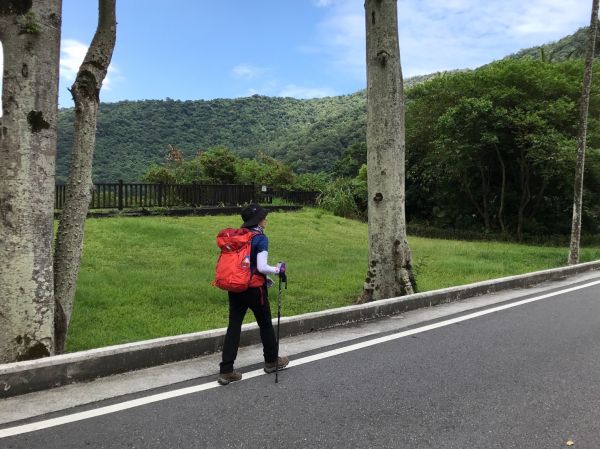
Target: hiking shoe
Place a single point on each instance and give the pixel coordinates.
(226, 378)
(270, 367)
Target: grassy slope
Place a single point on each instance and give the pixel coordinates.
(150, 277)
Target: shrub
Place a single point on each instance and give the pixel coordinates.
(311, 182)
(158, 174)
(345, 198)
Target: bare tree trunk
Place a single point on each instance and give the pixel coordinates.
(539, 200)
(390, 271)
(502, 192)
(485, 189)
(86, 94)
(525, 198)
(582, 137)
(479, 207)
(30, 36)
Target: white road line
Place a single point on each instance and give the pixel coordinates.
(25, 428)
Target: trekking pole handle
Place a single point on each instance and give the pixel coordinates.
(281, 267)
(282, 272)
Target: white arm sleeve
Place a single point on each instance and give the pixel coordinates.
(262, 266)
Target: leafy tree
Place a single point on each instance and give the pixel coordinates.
(490, 148)
(249, 171)
(311, 182)
(465, 150)
(218, 165)
(351, 160)
(276, 173)
(191, 171)
(221, 166)
(159, 174)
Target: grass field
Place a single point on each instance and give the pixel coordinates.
(148, 277)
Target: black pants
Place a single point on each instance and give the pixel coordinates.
(256, 299)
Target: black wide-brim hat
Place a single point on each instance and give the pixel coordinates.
(252, 214)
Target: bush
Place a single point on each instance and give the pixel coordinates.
(218, 164)
(158, 174)
(345, 198)
(311, 182)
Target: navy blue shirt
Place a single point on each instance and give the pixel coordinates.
(260, 243)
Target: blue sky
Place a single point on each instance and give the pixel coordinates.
(206, 49)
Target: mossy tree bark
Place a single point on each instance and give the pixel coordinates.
(69, 242)
(30, 36)
(390, 270)
(582, 137)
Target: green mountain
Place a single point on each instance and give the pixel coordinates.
(572, 46)
(309, 135)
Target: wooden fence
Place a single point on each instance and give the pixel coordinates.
(297, 197)
(122, 195)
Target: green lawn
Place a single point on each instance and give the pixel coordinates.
(148, 277)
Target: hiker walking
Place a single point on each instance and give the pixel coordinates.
(250, 294)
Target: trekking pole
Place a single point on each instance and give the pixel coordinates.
(281, 275)
(278, 319)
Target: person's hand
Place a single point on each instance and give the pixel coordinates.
(280, 268)
(282, 272)
(270, 282)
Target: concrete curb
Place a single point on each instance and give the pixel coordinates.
(24, 377)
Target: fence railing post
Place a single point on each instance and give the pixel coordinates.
(120, 195)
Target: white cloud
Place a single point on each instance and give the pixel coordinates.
(447, 34)
(291, 90)
(342, 37)
(323, 3)
(447, 4)
(270, 85)
(72, 53)
(475, 33)
(543, 17)
(247, 71)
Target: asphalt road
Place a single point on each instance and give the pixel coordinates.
(523, 377)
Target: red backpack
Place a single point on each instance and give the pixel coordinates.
(233, 267)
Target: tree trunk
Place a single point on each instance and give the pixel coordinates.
(390, 271)
(581, 138)
(478, 207)
(502, 192)
(30, 36)
(86, 94)
(485, 189)
(539, 199)
(524, 176)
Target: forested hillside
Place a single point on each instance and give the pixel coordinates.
(308, 135)
(572, 46)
